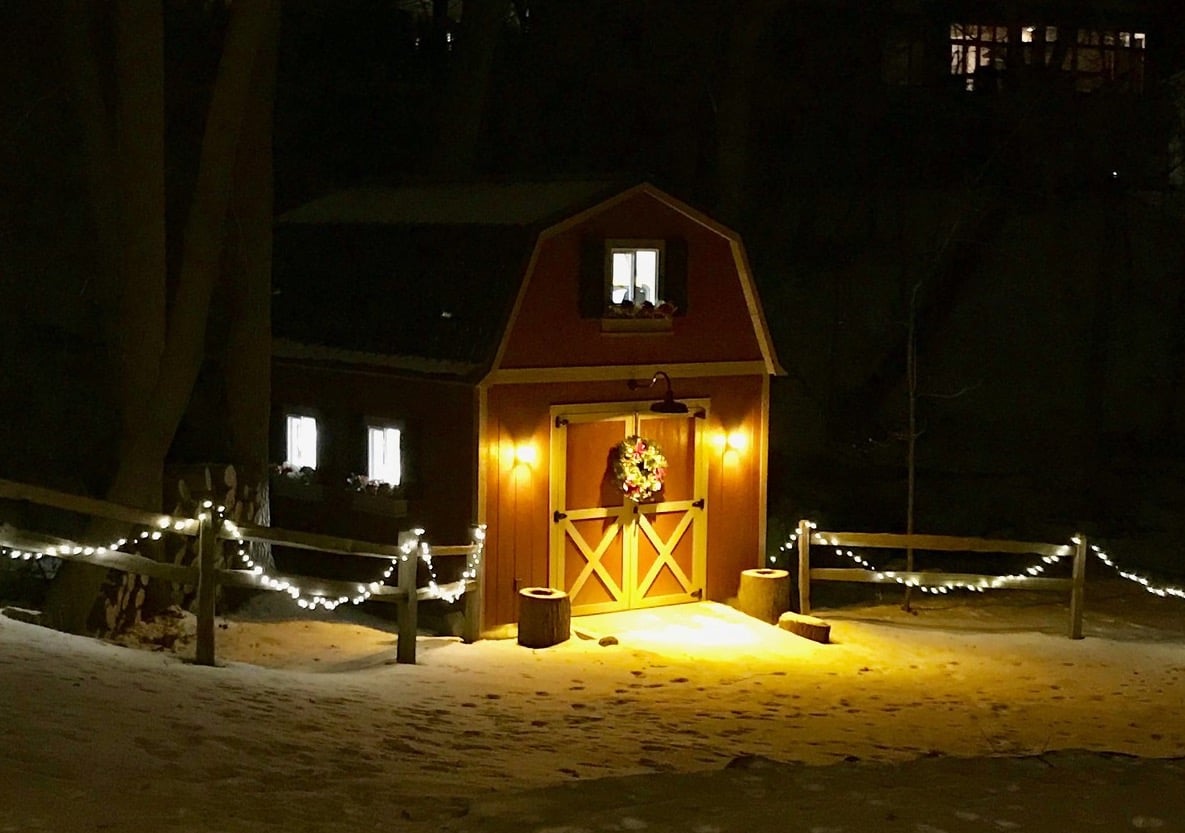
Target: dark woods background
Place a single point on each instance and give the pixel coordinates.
(1025, 236)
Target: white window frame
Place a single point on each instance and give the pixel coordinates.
(614, 247)
(383, 465)
(301, 438)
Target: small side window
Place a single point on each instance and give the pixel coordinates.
(302, 441)
(385, 459)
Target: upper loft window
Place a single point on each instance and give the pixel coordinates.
(385, 461)
(633, 274)
(1093, 58)
(302, 441)
(625, 278)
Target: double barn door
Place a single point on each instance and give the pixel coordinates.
(608, 552)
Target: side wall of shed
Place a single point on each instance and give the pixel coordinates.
(439, 433)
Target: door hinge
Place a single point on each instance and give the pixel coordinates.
(698, 504)
(557, 516)
(697, 593)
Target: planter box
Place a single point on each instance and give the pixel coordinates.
(379, 504)
(637, 325)
(296, 489)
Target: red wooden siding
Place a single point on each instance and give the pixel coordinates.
(440, 429)
(717, 325)
(517, 493)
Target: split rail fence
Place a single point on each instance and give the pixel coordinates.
(808, 537)
(206, 576)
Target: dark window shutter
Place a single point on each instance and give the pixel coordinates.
(592, 277)
(674, 278)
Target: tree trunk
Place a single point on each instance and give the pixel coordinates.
(734, 117)
(810, 627)
(544, 617)
(248, 361)
(158, 358)
(461, 107)
(764, 594)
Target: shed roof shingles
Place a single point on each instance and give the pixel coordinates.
(426, 271)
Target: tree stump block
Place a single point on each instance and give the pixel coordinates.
(544, 617)
(764, 594)
(807, 626)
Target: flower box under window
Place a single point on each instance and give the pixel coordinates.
(633, 285)
(296, 489)
(637, 325)
(376, 504)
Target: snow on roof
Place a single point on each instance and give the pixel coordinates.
(289, 349)
(484, 203)
(397, 290)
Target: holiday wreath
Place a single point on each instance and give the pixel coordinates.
(639, 468)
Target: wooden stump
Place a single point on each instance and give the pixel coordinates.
(544, 617)
(764, 593)
(807, 626)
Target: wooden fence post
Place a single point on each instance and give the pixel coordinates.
(473, 593)
(804, 566)
(405, 647)
(207, 589)
(1078, 588)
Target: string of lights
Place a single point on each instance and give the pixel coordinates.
(1154, 589)
(978, 585)
(981, 584)
(410, 544)
(450, 593)
(69, 550)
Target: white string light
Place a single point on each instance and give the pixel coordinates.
(982, 584)
(208, 511)
(410, 545)
(979, 585)
(470, 571)
(1156, 590)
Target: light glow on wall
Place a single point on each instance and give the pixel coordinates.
(526, 454)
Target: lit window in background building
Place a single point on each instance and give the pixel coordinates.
(981, 54)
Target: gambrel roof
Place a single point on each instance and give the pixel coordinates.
(426, 278)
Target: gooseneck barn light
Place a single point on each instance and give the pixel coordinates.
(668, 404)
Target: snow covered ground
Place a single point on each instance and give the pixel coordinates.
(976, 714)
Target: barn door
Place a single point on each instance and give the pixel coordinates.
(608, 552)
(669, 542)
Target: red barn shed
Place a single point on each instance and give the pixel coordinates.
(531, 328)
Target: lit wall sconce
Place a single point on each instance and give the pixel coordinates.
(737, 441)
(526, 454)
